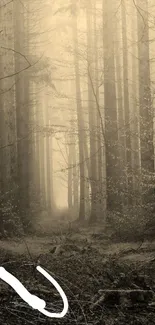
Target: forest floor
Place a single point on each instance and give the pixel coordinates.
(84, 263)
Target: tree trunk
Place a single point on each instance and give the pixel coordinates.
(49, 166)
(111, 128)
(41, 150)
(70, 175)
(135, 127)
(126, 105)
(121, 119)
(81, 132)
(75, 180)
(22, 116)
(145, 103)
(92, 117)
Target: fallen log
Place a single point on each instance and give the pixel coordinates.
(129, 297)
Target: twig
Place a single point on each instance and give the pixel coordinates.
(5, 4)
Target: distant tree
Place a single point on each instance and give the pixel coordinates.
(121, 115)
(75, 172)
(70, 145)
(135, 125)
(49, 161)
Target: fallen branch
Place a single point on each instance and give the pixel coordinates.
(128, 298)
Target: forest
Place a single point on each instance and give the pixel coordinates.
(77, 154)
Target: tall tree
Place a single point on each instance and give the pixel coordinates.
(120, 114)
(2, 123)
(75, 177)
(81, 133)
(70, 144)
(22, 111)
(111, 128)
(41, 144)
(126, 103)
(8, 152)
(49, 161)
(135, 127)
(92, 115)
(101, 201)
(145, 102)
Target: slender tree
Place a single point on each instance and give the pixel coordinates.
(126, 104)
(81, 132)
(49, 162)
(135, 127)
(70, 174)
(111, 127)
(75, 177)
(22, 112)
(92, 115)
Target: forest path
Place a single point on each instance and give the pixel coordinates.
(133, 252)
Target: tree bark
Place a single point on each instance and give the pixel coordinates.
(145, 103)
(92, 116)
(111, 127)
(81, 133)
(22, 115)
(126, 106)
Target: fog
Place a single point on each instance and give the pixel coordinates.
(77, 100)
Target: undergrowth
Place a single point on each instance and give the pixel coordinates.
(81, 274)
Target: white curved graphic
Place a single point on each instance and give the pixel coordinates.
(62, 294)
(32, 300)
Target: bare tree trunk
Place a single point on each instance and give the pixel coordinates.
(92, 117)
(81, 132)
(2, 131)
(38, 150)
(22, 116)
(135, 127)
(121, 119)
(145, 102)
(49, 166)
(42, 160)
(126, 105)
(44, 108)
(4, 69)
(99, 140)
(111, 127)
(75, 180)
(70, 175)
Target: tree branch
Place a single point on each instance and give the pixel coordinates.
(97, 106)
(5, 4)
(18, 72)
